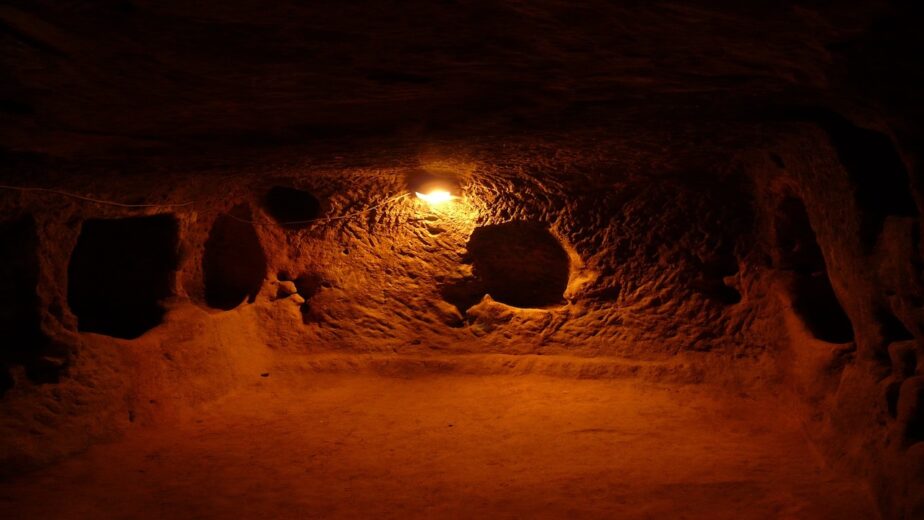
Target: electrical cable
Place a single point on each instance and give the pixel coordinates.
(91, 199)
(190, 203)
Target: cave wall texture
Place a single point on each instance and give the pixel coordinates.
(718, 192)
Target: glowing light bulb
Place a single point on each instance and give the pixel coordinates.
(435, 196)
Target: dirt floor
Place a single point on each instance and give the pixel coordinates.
(293, 445)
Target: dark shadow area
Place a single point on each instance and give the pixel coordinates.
(874, 167)
(903, 358)
(813, 298)
(119, 272)
(711, 283)
(518, 263)
(891, 328)
(796, 248)
(23, 342)
(308, 285)
(903, 361)
(291, 207)
(463, 293)
(234, 264)
(910, 410)
(891, 397)
(815, 302)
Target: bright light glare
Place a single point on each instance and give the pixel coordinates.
(435, 196)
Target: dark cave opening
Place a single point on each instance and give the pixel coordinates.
(234, 263)
(813, 297)
(291, 207)
(874, 166)
(518, 263)
(20, 320)
(119, 272)
(881, 177)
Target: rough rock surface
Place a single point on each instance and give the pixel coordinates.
(706, 193)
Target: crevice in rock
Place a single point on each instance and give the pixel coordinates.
(234, 264)
(290, 207)
(119, 272)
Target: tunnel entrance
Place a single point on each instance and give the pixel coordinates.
(23, 342)
(874, 166)
(518, 263)
(119, 272)
(234, 264)
(813, 297)
(291, 207)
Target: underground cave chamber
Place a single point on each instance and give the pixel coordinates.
(291, 260)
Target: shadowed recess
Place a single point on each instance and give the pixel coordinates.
(519, 263)
(815, 302)
(308, 285)
(813, 298)
(711, 282)
(120, 271)
(874, 166)
(23, 342)
(234, 264)
(291, 207)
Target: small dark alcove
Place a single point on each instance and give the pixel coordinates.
(291, 207)
(119, 272)
(518, 263)
(234, 264)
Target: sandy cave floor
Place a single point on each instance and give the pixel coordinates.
(437, 446)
